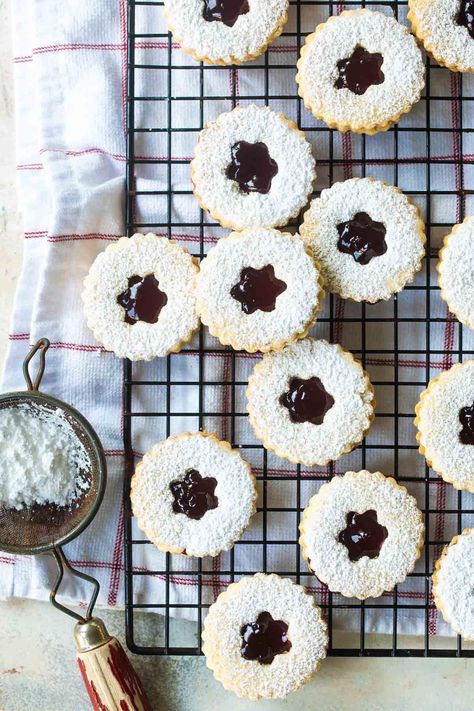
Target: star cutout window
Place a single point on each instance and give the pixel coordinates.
(225, 11)
(466, 418)
(258, 289)
(307, 400)
(143, 300)
(359, 71)
(263, 639)
(363, 535)
(194, 495)
(362, 237)
(252, 167)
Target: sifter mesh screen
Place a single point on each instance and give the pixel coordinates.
(37, 528)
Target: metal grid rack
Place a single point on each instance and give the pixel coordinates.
(377, 334)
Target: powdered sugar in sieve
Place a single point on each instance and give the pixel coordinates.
(42, 459)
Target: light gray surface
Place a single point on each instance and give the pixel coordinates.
(38, 673)
(37, 658)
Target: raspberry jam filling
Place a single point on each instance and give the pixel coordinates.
(264, 639)
(194, 495)
(465, 16)
(307, 400)
(361, 237)
(359, 71)
(363, 535)
(258, 289)
(252, 167)
(226, 11)
(143, 300)
(466, 418)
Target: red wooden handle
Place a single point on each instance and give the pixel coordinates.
(110, 679)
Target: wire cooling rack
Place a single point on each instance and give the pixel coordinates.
(402, 343)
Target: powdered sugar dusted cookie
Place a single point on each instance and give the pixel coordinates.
(456, 271)
(367, 237)
(225, 31)
(139, 297)
(259, 289)
(252, 168)
(310, 403)
(193, 494)
(360, 71)
(362, 534)
(453, 583)
(445, 422)
(264, 637)
(446, 30)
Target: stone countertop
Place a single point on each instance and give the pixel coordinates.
(37, 658)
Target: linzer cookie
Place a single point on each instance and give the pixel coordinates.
(446, 30)
(193, 494)
(361, 534)
(139, 297)
(445, 422)
(252, 168)
(367, 237)
(310, 403)
(225, 31)
(259, 289)
(453, 583)
(264, 637)
(360, 71)
(456, 271)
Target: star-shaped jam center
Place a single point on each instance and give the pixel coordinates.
(194, 495)
(466, 418)
(264, 639)
(363, 535)
(143, 300)
(226, 11)
(361, 237)
(258, 289)
(252, 167)
(307, 400)
(465, 16)
(359, 71)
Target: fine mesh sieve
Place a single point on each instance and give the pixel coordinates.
(39, 528)
(110, 679)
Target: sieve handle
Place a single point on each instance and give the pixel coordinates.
(107, 672)
(42, 345)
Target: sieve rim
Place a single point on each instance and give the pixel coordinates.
(99, 464)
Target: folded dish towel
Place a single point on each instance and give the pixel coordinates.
(70, 63)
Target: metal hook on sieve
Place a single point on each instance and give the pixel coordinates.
(42, 345)
(62, 562)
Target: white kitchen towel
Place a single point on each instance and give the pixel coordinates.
(70, 61)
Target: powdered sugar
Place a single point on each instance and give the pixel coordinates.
(439, 425)
(456, 271)
(344, 424)
(295, 309)
(404, 237)
(241, 604)
(381, 104)
(325, 518)
(175, 271)
(290, 187)
(453, 584)
(152, 499)
(216, 42)
(42, 459)
(434, 23)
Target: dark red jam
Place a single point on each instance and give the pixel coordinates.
(307, 400)
(363, 535)
(466, 418)
(465, 16)
(359, 71)
(194, 495)
(143, 299)
(226, 11)
(252, 167)
(257, 289)
(264, 639)
(361, 237)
